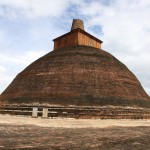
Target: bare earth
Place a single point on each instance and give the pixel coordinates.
(23, 133)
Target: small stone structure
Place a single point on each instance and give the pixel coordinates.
(77, 23)
(45, 113)
(77, 36)
(35, 112)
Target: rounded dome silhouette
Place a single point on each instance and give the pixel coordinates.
(76, 75)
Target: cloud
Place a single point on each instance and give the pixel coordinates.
(32, 8)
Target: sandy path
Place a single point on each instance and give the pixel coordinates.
(71, 123)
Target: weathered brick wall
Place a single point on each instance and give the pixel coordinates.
(77, 75)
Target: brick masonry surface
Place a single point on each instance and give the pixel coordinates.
(77, 75)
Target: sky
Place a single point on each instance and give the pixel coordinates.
(27, 28)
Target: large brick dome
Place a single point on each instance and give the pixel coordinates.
(77, 75)
(76, 72)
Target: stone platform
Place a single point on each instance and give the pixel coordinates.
(103, 112)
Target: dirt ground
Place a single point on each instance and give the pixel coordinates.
(22, 133)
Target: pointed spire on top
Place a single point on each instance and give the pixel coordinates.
(77, 23)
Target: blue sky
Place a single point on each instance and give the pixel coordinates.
(27, 28)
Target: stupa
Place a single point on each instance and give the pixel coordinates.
(76, 73)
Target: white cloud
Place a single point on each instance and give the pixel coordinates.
(32, 8)
(2, 37)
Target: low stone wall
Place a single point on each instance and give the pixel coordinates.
(109, 112)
